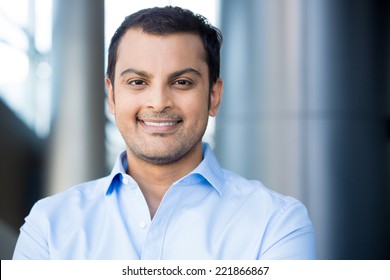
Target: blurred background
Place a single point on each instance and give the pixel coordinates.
(306, 107)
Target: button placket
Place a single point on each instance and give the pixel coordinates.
(142, 224)
(154, 242)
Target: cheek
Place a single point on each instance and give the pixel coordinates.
(199, 112)
(125, 109)
(197, 102)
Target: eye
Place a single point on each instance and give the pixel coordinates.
(183, 83)
(137, 83)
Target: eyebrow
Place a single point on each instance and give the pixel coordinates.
(171, 76)
(137, 72)
(184, 71)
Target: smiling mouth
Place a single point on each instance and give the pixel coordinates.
(160, 126)
(160, 123)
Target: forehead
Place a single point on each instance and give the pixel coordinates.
(138, 47)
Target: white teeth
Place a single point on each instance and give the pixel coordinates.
(160, 123)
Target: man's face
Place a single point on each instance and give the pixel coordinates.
(160, 97)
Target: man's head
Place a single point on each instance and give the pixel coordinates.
(170, 20)
(163, 83)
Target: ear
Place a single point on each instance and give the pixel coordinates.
(216, 97)
(111, 96)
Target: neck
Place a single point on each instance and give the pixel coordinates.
(154, 180)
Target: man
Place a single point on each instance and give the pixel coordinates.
(167, 197)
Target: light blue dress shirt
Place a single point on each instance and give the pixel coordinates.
(209, 214)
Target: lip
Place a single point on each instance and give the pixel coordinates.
(155, 126)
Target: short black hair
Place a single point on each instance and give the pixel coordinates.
(168, 20)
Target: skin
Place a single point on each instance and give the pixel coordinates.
(160, 100)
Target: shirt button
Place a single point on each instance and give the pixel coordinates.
(142, 225)
(125, 181)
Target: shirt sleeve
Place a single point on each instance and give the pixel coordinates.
(32, 242)
(290, 236)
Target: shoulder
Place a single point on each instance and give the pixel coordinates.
(72, 200)
(235, 183)
(261, 199)
(286, 230)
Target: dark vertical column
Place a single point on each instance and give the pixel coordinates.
(346, 133)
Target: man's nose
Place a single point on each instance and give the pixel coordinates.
(159, 98)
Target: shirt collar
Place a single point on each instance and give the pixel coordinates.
(118, 173)
(209, 169)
